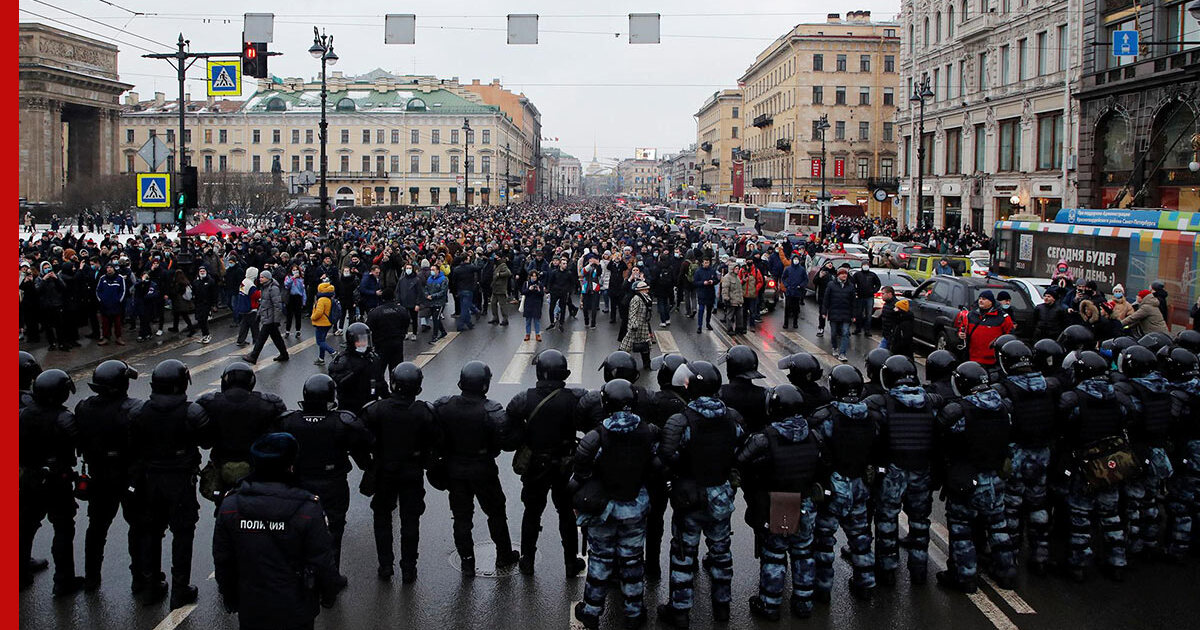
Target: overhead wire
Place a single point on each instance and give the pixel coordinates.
(95, 21)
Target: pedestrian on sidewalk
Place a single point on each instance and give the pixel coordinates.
(182, 305)
(270, 317)
(110, 297)
(204, 297)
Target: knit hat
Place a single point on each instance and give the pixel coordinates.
(1118, 288)
(266, 275)
(1143, 293)
(987, 294)
(1003, 295)
(274, 453)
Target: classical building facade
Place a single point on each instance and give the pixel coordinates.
(679, 174)
(846, 70)
(528, 119)
(563, 173)
(393, 140)
(719, 132)
(69, 102)
(639, 178)
(1000, 123)
(1140, 116)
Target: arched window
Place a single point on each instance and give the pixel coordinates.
(275, 104)
(966, 11)
(344, 190)
(911, 38)
(937, 27)
(950, 22)
(415, 105)
(1112, 143)
(925, 39)
(345, 105)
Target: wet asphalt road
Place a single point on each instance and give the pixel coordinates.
(1153, 596)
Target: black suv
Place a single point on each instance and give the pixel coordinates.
(936, 303)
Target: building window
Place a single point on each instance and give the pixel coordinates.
(937, 27)
(966, 11)
(953, 151)
(295, 136)
(936, 85)
(1061, 42)
(345, 136)
(962, 77)
(864, 168)
(1010, 145)
(470, 139)
(907, 155)
(129, 160)
(735, 132)
(394, 163)
(207, 135)
(453, 136)
(864, 63)
(983, 82)
(912, 37)
(395, 136)
(818, 63)
(308, 136)
(980, 149)
(949, 81)
(187, 136)
(925, 39)
(295, 163)
(839, 95)
(487, 164)
(453, 163)
(841, 63)
(435, 164)
(735, 111)
(889, 96)
(927, 144)
(255, 136)
(255, 163)
(308, 162)
(888, 129)
(839, 130)
(817, 99)
(889, 32)
(1005, 58)
(366, 136)
(470, 164)
(864, 96)
(344, 166)
(170, 136)
(816, 130)
(864, 130)
(1108, 60)
(1050, 141)
(885, 167)
(414, 164)
(129, 136)
(889, 63)
(487, 136)
(415, 137)
(950, 22)
(1041, 53)
(1022, 58)
(366, 164)
(1178, 27)
(435, 136)
(379, 136)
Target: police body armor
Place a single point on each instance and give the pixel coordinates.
(42, 451)
(665, 403)
(622, 461)
(748, 399)
(321, 435)
(104, 434)
(941, 388)
(591, 408)
(466, 436)
(1153, 425)
(170, 445)
(1033, 415)
(910, 435)
(710, 450)
(400, 424)
(549, 431)
(1098, 419)
(242, 417)
(793, 464)
(986, 439)
(815, 397)
(851, 444)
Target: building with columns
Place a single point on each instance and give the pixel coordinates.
(68, 112)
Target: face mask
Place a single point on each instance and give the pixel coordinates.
(1118, 295)
(408, 271)
(866, 268)
(1006, 306)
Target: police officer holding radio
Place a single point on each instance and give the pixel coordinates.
(544, 416)
(240, 416)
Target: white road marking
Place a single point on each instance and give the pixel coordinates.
(939, 532)
(666, 342)
(575, 364)
(578, 341)
(770, 358)
(516, 368)
(820, 353)
(206, 348)
(427, 356)
(175, 618)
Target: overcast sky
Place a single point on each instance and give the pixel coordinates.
(590, 85)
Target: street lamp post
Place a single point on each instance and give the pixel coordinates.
(823, 125)
(921, 93)
(507, 161)
(322, 49)
(466, 158)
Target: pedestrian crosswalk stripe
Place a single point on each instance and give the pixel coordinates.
(578, 341)
(575, 364)
(666, 342)
(207, 348)
(516, 368)
(429, 355)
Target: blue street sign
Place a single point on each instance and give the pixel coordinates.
(154, 190)
(225, 78)
(1124, 43)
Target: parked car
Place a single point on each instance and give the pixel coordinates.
(1034, 288)
(936, 302)
(922, 266)
(818, 261)
(898, 280)
(875, 242)
(853, 248)
(894, 254)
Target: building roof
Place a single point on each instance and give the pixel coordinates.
(366, 98)
(557, 153)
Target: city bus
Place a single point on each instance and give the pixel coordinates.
(1113, 246)
(736, 214)
(792, 218)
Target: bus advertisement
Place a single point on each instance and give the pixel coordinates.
(1129, 247)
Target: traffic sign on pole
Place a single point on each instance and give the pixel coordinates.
(154, 190)
(225, 77)
(155, 152)
(1125, 43)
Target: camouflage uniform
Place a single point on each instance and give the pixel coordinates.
(1183, 489)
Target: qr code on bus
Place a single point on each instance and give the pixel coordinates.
(1025, 247)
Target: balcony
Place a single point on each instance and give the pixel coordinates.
(761, 182)
(890, 184)
(783, 144)
(762, 120)
(978, 26)
(706, 147)
(716, 162)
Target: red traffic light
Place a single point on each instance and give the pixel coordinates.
(250, 51)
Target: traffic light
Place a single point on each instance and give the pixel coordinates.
(254, 59)
(187, 195)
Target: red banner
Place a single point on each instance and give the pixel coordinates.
(530, 183)
(816, 167)
(738, 181)
(839, 167)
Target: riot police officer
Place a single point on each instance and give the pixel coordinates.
(1031, 398)
(544, 416)
(786, 460)
(475, 429)
(849, 429)
(28, 371)
(805, 372)
(328, 437)
(1182, 369)
(669, 400)
(1048, 359)
(48, 434)
(907, 435)
(358, 371)
(405, 437)
(939, 366)
(611, 466)
(739, 392)
(871, 371)
(1188, 339)
(977, 428)
(240, 416)
(1075, 339)
(619, 364)
(103, 421)
(698, 445)
(1159, 409)
(166, 434)
(389, 322)
(272, 551)
(1094, 413)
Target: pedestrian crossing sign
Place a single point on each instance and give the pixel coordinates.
(225, 78)
(154, 190)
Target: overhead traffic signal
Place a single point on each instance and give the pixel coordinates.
(187, 197)
(254, 59)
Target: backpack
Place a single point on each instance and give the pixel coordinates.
(335, 310)
(241, 303)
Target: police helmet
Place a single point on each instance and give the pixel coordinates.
(1047, 355)
(1178, 364)
(999, 342)
(802, 367)
(551, 365)
(170, 377)
(1089, 364)
(112, 377)
(741, 362)
(969, 378)
(52, 388)
(845, 383)
(1076, 337)
(1136, 361)
(1155, 341)
(358, 335)
(938, 365)
(238, 375)
(698, 378)
(29, 370)
(620, 364)
(1015, 358)
(618, 395)
(407, 378)
(320, 393)
(898, 370)
(1112, 348)
(874, 363)
(1188, 338)
(475, 378)
(785, 401)
(665, 367)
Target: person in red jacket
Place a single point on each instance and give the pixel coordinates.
(980, 327)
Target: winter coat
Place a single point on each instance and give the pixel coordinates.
(982, 329)
(270, 305)
(795, 280)
(436, 290)
(866, 283)
(1147, 318)
(323, 307)
(560, 282)
(410, 291)
(295, 286)
(180, 304)
(838, 301)
(535, 297)
(204, 292)
(639, 323)
(500, 276)
(705, 293)
(366, 292)
(1048, 321)
(110, 294)
(1121, 308)
(732, 289)
(662, 284)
